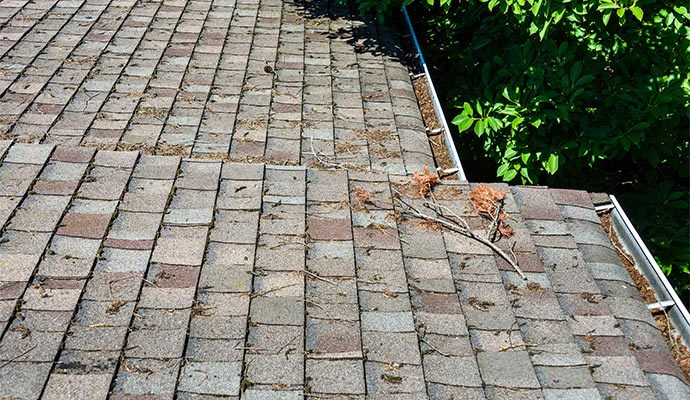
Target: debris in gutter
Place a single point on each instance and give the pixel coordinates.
(679, 351)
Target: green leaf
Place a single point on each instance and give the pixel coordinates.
(481, 43)
(575, 71)
(570, 145)
(495, 123)
(584, 80)
(536, 7)
(516, 122)
(639, 126)
(621, 20)
(620, 12)
(468, 109)
(544, 29)
(525, 157)
(480, 127)
(637, 12)
(463, 124)
(510, 153)
(502, 169)
(458, 119)
(606, 5)
(675, 195)
(510, 175)
(606, 17)
(506, 94)
(562, 48)
(576, 94)
(653, 157)
(552, 164)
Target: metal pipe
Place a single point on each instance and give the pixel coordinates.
(666, 296)
(450, 145)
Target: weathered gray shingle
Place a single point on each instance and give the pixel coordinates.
(218, 275)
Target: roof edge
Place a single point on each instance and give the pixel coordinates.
(667, 298)
(440, 116)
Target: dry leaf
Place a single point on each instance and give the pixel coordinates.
(486, 200)
(426, 180)
(362, 195)
(391, 378)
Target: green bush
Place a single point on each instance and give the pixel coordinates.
(592, 94)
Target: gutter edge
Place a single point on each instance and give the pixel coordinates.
(648, 267)
(440, 116)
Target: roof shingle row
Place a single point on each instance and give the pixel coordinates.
(134, 274)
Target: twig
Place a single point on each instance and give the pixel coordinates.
(271, 290)
(318, 154)
(512, 251)
(315, 304)
(19, 356)
(149, 282)
(455, 227)
(436, 349)
(369, 282)
(313, 275)
(385, 232)
(285, 345)
(439, 208)
(495, 220)
(514, 346)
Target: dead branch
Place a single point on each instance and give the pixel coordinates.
(439, 208)
(457, 228)
(322, 158)
(495, 219)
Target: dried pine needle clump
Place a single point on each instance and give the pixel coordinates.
(489, 204)
(362, 195)
(426, 180)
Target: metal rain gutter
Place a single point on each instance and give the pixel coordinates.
(667, 298)
(450, 145)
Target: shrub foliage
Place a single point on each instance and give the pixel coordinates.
(587, 93)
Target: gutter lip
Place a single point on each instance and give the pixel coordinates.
(440, 116)
(647, 265)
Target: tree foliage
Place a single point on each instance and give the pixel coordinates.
(586, 93)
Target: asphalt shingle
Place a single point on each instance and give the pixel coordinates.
(216, 275)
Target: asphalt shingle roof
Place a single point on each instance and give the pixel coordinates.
(246, 270)
(141, 275)
(270, 80)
